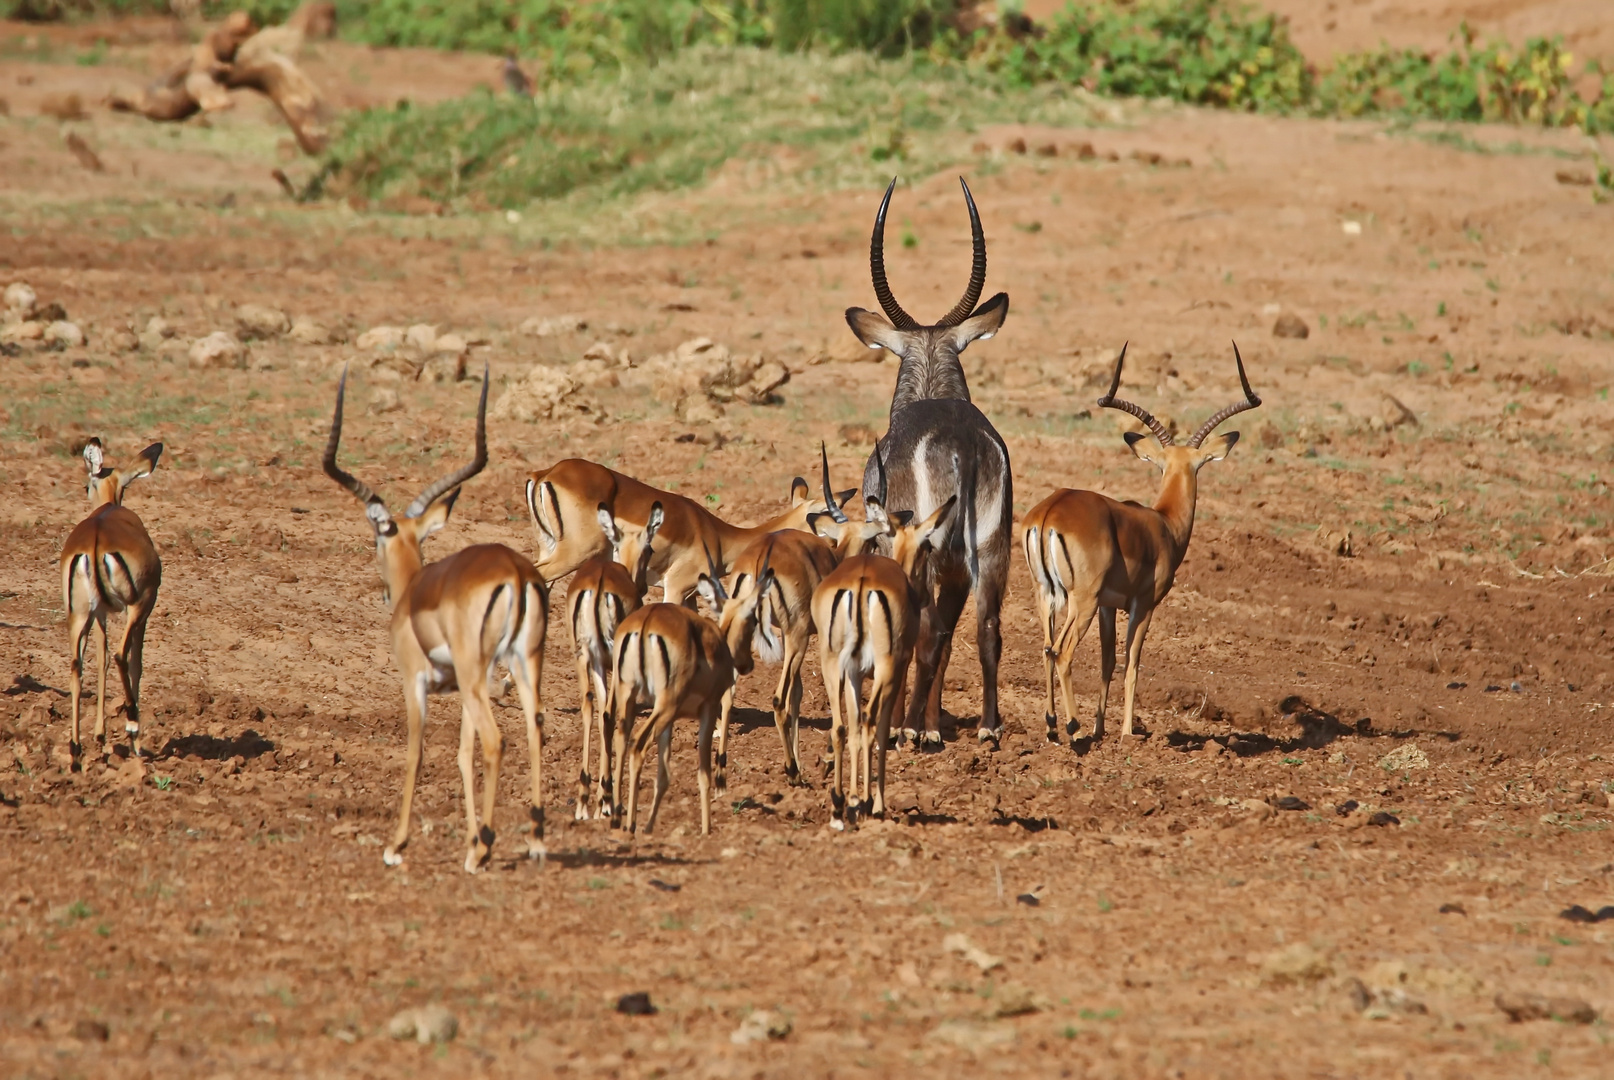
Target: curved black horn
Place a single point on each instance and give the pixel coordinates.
(836, 514)
(355, 486)
(458, 477)
(879, 470)
(882, 289)
(1251, 400)
(972, 293)
(1110, 401)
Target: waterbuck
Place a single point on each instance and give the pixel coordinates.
(939, 446)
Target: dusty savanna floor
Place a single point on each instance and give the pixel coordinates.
(225, 911)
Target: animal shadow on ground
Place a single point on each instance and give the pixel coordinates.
(586, 857)
(249, 744)
(1318, 728)
(27, 684)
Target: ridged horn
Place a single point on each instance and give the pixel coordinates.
(459, 476)
(882, 289)
(836, 514)
(358, 488)
(972, 293)
(1110, 401)
(1250, 401)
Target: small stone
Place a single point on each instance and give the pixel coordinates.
(1341, 542)
(1384, 818)
(450, 345)
(1394, 414)
(553, 326)
(385, 400)
(87, 1030)
(60, 106)
(1295, 965)
(600, 350)
(159, 327)
(635, 1004)
(1293, 802)
(546, 393)
(259, 321)
(219, 349)
(421, 336)
(381, 337)
(51, 312)
(63, 333)
(760, 1026)
(426, 1024)
(1453, 908)
(858, 435)
(1290, 325)
(975, 1038)
(1404, 758)
(1523, 1007)
(1028, 899)
(699, 410)
(305, 331)
(123, 341)
(968, 950)
(1013, 999)
(1351, 228)
(20, 299)
(28, 330)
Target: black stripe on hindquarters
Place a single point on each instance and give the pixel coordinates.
(127, 576)
(488, 614)
(885, 605)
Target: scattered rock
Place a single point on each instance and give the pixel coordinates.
(976, 1038)
(1013, 999)
(1290, 325)
(1394, 414)
(1028, 899)
(1347, 807)
(1294, 966)
(1293, 802)
(596, 374)
(157, 331)
(968, 950)
(306, 331)
(1404, 758)
(635, 1004)
(421, 336)
(450, 345)
(859, 435)
(83, 152)
(1453, 908)
(1339, 542)
(546, 393)
(1523, 1007)
(385, 400)
(1383, 1002)
(445, 367)
(698, 377)
(64, 334)
(28, 330)
(760, 1026)
(258, 321)
(20, 300)
(425, 1024)
(664, 886)
(553, 326)
(381, 337)
(123, 341)
(219, 349)
(63, 107)
(1580, 914)
(1383, 818)
(87, 1030)
(51, 312)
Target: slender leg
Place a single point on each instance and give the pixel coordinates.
(703, 740)
(467, 767)
(492, 739)
(950, 599)
(781, 707)
(887, 693)
(989, 643)
(1137, 628)
(528, 683)
(663, 778)
(102, 664)
(837, 730)
(1078, 618)
(1106, 663)
(78, 634)
(588, 708)
(602, 721)
(924, 672)
(131, 663)
(726, 711)
(620, 716)
(852, 708)
(793, 718)
(415, 713)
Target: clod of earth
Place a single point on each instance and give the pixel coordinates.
(968, 950)
(87, 1030)
(546, 393)
(975, 1038)
(1453, 909)
(635, 1004)
(306, 331)
(1580, 914)
(1028, 899)
(1290, 325)
(1384, 817)
(553, 325)
(1296, 965)
(260, 321)
(425, 1024)
(1293, 802)
(65, 334)
(20, 300)
(1523, 1007)
(1404, 758)
(219, 349)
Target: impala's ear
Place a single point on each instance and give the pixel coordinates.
(873, 330)
(986, 321)
(900, 518)
(1140, 446)
(844, 497)
(712, 590)
(1217, 447)
(93, 457)
(436, 515)
(933, 528)
(613, 535)
(799, 491)
(822, 525)
(653, 525)
(143, 466)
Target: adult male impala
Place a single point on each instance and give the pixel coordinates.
(109, 564)
(452, 621)
(1089, 553)
(939, 446)
(564, 500)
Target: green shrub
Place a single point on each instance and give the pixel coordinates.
(1204, 52)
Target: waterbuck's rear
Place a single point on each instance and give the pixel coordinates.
(938, 446)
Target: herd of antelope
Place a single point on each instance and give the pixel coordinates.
(879, 594)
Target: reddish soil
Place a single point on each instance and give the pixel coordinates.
(223, 910)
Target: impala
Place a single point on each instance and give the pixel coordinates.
(452, 621)
(602, 593)
(764, 610)
(939, 446)
(563, 502)
(673, 659)
(109, 564)
(1089, 553)
(867, 611)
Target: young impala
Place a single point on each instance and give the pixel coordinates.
(673, 659)
(1089, 553)
(764, 609)
(452, 621)
(109, 564)
(867, 612)
(563, 502)
(603, 593)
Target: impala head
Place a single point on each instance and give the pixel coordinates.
(739, 617)
(1169, 457)
(398, 540)
(929, 354)
(911, 541)
(849, 537)
(106, 484)
(632, 545)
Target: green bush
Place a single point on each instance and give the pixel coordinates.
(1533, 85)
(1204, 52)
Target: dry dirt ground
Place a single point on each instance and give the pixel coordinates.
(224, 911)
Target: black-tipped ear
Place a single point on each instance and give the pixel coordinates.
(844, 497)
(798, 491)
(1232, 438)
(900, 518)
(1133, 438)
